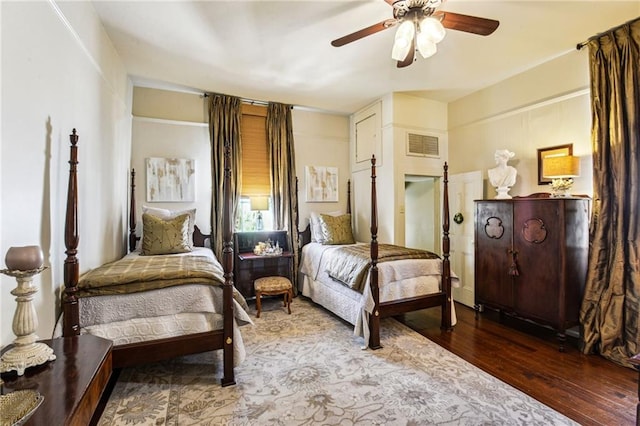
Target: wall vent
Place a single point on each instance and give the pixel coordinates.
(422, 145)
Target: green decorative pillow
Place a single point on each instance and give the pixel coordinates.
(170, 214)
(336, 229)
(165, 236)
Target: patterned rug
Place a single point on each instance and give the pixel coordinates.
(307, 368)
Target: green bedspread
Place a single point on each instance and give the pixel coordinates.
(140, 273)
(350, 264)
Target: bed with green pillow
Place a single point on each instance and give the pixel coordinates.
(169, 296)
(362, 282)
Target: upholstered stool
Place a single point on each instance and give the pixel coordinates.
(272, 286)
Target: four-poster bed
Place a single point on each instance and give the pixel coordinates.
(397, 282)
(208, 327)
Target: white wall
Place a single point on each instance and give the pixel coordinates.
(59, 72)
(546, 106)
(321, 139)
(173, 139)
(400, 114)
(173, 124)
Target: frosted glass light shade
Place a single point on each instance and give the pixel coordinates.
(433, 29)
(426, 46)
(402, 44)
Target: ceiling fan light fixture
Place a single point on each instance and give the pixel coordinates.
(402, 43)
(432, 28)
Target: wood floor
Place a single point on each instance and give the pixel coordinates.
(586, 388)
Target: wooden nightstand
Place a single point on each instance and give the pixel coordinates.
(248, 266)
(71, 385)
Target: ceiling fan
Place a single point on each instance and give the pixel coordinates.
(419, 23)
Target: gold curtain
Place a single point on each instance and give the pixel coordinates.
(224, 125)
(611, 306)
(282, 160)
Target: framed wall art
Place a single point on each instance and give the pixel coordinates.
(321, 184)
(171, 180)
(552, 151)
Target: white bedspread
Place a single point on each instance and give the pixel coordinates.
(161, 313)
(396, 280)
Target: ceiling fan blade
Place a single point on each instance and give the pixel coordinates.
(387, 23)
(409, 58)
(469, 24)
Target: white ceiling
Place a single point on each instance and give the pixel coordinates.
(280, 50)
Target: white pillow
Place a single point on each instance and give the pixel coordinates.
(172, 214)
(315, 224)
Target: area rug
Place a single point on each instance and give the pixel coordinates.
(308, 368)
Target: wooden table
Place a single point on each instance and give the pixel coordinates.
(72, 384)
(250, 267)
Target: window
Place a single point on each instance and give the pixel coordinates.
(256, 180)
(247, 219)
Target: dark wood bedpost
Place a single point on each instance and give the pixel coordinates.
(71, 321)
(297, 212)
(446, 265)
(349, 196)
(374, 320)
(132, 213)
(227, 265)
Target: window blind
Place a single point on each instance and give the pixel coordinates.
(255, 155)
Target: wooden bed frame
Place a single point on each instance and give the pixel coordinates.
(400, 306)
(160, 349)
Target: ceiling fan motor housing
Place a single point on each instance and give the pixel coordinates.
(414, 8)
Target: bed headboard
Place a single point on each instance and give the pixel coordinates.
(199, 239)
(304, 236)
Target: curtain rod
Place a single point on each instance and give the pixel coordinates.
(579, 46)
(245, 100)
(250, 101)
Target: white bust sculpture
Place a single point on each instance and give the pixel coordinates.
(503, 177)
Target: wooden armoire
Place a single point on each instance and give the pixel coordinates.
(531, 258)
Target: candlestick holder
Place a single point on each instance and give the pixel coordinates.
(26, 352)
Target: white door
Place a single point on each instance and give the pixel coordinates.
(464, 188)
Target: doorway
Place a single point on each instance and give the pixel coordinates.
(422, 212)
(423, 207)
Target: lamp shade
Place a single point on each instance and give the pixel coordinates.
(259, 203)
(564, 166)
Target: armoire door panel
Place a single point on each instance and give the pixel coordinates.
(493, 237)
(537, 234)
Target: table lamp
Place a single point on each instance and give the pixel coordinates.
(258, 204)
(561, 170)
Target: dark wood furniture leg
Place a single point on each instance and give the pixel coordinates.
(258, 303)
(635, 360)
